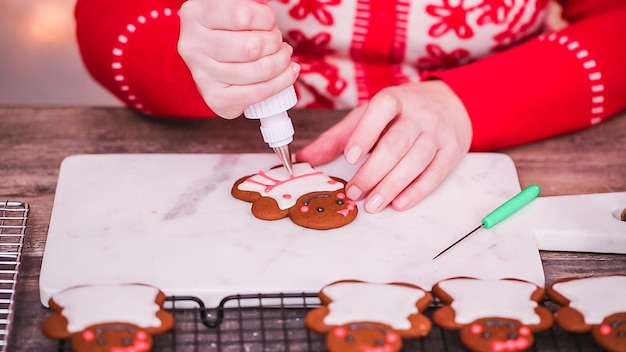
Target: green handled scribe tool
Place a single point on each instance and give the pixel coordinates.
(502, 212)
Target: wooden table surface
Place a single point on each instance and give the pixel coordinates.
(34, 141)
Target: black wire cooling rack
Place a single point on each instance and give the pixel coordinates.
(275, 323)
(13, 217)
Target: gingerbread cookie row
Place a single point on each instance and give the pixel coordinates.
(490, 315)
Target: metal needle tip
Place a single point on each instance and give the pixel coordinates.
(284, 154)
(455, 243)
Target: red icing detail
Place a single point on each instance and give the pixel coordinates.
(341, 195)
(605, 329)
(385, 348)
(497, 346)
(304, 209)
(391, 337)
(138, 346)
(141, 346)
(522, 344)
(524, 331)
(141, 335)
(88, 335)
(349, 207)
(286, 196)
(339, 332)
(476, 329)
(510, 345)
(332, 182)
(277, 182)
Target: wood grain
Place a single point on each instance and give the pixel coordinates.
(34, 141)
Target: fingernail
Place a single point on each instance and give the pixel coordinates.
(353, 154)
(295, 67)
(354, 193)
(373, 204)
(401, 202)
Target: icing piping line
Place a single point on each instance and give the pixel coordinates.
(118, 53)
(277, 182)
(596, 81)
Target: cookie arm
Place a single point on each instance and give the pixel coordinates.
(546, 317)
(315, 320)
(167, 323)
(420, 327)
(445, 318)
(571, 320)
(55, 327)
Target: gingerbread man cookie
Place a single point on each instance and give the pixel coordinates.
(593, 304)
(359, 316)
(492, 315)
(309, 198)
(108, 317)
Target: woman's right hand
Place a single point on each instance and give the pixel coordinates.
(235, 53)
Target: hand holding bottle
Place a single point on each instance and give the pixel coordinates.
(235, 53)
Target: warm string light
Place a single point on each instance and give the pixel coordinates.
(49, 22)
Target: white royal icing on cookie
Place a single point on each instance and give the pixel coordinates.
(383, 303)
(88, 305)
(595, 297)
(286, 189)
(476, 299)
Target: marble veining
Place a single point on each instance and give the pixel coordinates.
(169, 220)
(199, 190)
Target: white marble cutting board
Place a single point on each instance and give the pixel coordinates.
(577, 222)
(169, 220)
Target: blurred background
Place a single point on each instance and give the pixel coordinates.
(39, 59)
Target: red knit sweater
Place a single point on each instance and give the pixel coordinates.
(517, 83)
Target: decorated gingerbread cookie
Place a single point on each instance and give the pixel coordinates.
(108, 317)
(492, 315)
(309, 198)
(359, 316)
(593, 304)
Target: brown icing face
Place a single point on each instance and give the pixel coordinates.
(611, 334)
(496, 334)
(363, 337)
(323, 210)
(110, 337)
